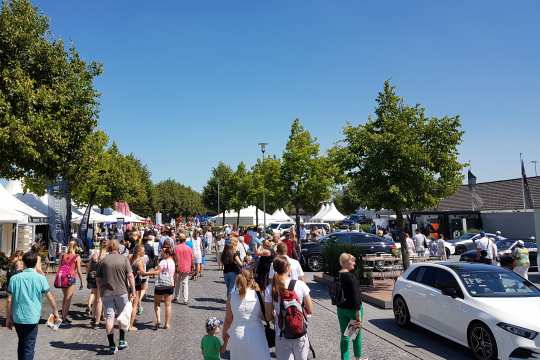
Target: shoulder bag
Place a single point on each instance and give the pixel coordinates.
(268, 331)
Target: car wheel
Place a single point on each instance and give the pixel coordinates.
(460, 249)
(401, 312)
(481, 342)
(314, 263)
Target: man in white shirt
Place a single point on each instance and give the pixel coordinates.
(420, 243)
(296, 269)
(486, 250)
(411, 248)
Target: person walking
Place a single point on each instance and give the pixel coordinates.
(230, 258)
(25, 292)
(70, 264)
(264, 262)
(296, 272)
(164, 289)
(486, 250)
(436, 247)
(411, 248)
(521, 262)
(95, 305)
(420, 243)
(197, 245)
(220, 246)
(243, 329)
(115, 281)
(138, 263)
(351, 308)
(184, 265)
(297, 294)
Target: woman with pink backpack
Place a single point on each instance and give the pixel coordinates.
(70, 263)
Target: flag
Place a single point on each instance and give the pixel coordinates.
(59, 212)
(476, 200)
(83, 229)
(527, 197)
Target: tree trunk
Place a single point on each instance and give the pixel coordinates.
(256, 216)
(237, 218)
(223, 222)
(297, 215)
(404, 250)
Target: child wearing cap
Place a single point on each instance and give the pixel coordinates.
(211, 345)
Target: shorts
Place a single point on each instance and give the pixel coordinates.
(164, 291)
(91, 284)
(140, 287)
(113, 305)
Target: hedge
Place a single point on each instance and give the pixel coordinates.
(331, 253)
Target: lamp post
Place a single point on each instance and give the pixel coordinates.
(263, 150)
(218, 209)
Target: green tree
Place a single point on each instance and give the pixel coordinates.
(401, 159)
(347, 199)
(307, 176)
(219, 189)
(48, 104)
(174, 199)
(267, 179)
(241, 184)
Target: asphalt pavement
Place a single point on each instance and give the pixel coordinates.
(382, 340)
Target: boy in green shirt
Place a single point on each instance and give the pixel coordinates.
(211, 345)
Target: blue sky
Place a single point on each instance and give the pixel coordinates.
(187, 84)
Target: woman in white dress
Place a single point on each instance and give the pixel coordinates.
(243, 326)
(196, 241)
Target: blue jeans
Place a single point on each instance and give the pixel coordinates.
(27, 334)
(230, 278)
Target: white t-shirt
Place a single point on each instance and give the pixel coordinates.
(300, 288)
(485, 244)
(296, 269)
(220, 245)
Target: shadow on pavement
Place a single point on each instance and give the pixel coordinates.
(207, 308)
(216, 300)
(423, 339)
(99, 349)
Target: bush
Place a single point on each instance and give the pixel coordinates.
(365, 227)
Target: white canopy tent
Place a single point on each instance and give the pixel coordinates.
(317, 217)
(10, 202)
(332, 214)
(280, 215)
(11, 217)
(247, 216)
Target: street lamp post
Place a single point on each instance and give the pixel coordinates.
(218, 208)
(263, 150)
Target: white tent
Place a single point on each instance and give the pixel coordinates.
(317, 217)
(8, 216)
(11, 203)
(247, 216)
(332, 214)
(114, 215)
(280, 215)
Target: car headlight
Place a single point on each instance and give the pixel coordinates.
(519, 331)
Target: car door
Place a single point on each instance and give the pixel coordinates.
(420, 294)
(448, 314)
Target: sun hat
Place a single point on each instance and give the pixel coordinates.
(212, 323)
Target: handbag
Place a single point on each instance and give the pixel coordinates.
(64, 278)
(268, 331)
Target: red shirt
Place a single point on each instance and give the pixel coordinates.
(184, 257)
(247, 239)
(290, 247)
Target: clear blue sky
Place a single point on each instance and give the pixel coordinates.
(187, 84)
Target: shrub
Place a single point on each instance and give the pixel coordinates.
(331, 253)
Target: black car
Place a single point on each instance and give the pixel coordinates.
(505, 248)
(370, 243)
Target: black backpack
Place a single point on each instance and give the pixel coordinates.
(336, 291)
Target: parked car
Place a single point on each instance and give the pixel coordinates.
(280, 226)
(491, 310)
(319, 225)
(312, 251)
(466, 241)
(505, 248)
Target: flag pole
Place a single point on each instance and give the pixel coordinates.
(522, 181)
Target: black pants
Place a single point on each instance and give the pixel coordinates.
(27, 334)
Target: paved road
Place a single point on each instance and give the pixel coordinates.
(383, 340)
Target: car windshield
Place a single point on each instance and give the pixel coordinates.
(504, 244)
(497, 283)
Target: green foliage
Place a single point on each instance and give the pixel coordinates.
(267, 176)
(331, 252)
(48, 104)
(173, 198)
(401, 159)
(307, 177)
(222, 174)
(346, 199)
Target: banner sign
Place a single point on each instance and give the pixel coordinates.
(59, 212)
(83, 229)
(120, 229)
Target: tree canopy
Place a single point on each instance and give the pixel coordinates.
(401, 159)
(48, 104)
(267, 178)
(172, 198)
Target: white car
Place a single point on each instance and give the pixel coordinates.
(491, 310)
(280, 227)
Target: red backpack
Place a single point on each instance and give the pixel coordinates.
(292, 319)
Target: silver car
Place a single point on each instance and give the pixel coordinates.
(467, 241)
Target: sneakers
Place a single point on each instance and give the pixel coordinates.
(122, 344)
(113, 349)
